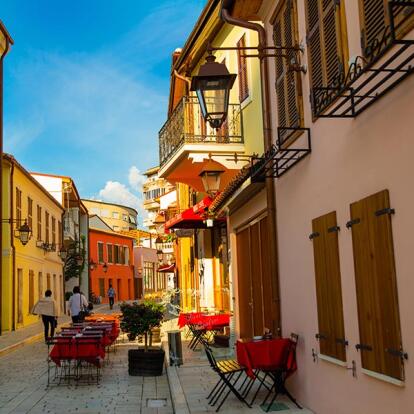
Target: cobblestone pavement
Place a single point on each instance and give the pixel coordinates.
(23, 388)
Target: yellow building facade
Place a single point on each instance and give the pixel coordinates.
(27, 271)
(202, 260)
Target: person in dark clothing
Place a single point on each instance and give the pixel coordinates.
(47, 308)
(111, 296)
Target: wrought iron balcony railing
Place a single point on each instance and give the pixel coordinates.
(187, 126)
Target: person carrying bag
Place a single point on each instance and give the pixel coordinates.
(47, 308)
(77, 306)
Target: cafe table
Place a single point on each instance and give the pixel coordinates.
(274, 357)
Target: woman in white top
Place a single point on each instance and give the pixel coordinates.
(47, 308)
(77, 302)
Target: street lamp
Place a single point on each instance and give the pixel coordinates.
(158, 243)
(92, 265)
(212, 86)
(24, 233)
(105, 267)
(63, 253)
(79, 260)
(210, 176)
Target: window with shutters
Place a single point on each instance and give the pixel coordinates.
(18, 206)
(46, 227)
(39, 223)
(30, 212)
(288, 82)
(327, 41)
(31, 291)
(100, 252)
(53, 231)
(242, 70)
(109, 253)
(376, 286)
(375, 25)
(331, 332)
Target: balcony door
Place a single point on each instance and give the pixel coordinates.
(256, 309)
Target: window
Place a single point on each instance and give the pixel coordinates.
(47, 227)
(331, 333)
(55, 292)
(39, 223)
(129, 289)
(101, 287)
(132, 220)
(375, 21)
(149, 274)
(121, 255)
(116, 254)
(30, 212)
(104, 213)
(242, 70)
(59, 230)
(40, 284)
(115, 215)
(48, 286)
(53, 231)
(100, 252)
(288, 83)
(161, 281)
(31, 291)
(126, 255)
(125, 217)
(327, 42)
(18, 206)
(109, 253)
(376, 286)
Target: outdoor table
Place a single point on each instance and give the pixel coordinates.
(78, 347)
(275, 357)
(208, 322)
(188, 318)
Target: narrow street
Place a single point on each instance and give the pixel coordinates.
(23, 387)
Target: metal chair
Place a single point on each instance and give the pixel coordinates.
(229, 372)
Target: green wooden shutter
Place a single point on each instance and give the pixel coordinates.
(242, 70)
(331, 330)
(376, 286)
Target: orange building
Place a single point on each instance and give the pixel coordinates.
(111, 262)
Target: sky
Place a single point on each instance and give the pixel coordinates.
(86, 88)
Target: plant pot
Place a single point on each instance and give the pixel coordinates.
(156, 334)
(146, 364)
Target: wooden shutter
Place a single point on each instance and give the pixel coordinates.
(375, 20)
(242, 70)
(376, 286)
(326, 38)
(331, 332)
(288, 83)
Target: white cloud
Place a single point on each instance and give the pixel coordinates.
(136, 179)
(115, 192)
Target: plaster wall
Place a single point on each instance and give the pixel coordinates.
(350, 159)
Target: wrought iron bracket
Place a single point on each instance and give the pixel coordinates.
(397, 353)
(387, 61)
(363, 347)
(320, 336)
(313, 235)
(333, 229)
(388, 211)
(282, 157)
(342, 341)
(350, 223)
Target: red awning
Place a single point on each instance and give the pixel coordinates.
(167, 268)
(186, 220)
(203, 205)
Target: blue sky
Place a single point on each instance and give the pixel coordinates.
(86, 87)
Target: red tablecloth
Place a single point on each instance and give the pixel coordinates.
(269, 354)
(209, 322)
(81, 348)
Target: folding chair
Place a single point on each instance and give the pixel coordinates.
(62, 349)
(198, 333)
(279, 375)
(89, 349)
(227, 371)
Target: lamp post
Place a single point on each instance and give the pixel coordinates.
(211, 176)
(63, 253)
(92, 265)
(105, 267)
(212, 86)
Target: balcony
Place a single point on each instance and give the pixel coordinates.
(186, 140)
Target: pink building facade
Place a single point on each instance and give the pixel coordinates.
(352, 158)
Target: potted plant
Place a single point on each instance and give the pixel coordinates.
(138, 319)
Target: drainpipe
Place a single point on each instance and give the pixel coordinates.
(13, 250)
(226, 16)
(6, 49)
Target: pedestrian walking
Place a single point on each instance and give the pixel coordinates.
(111, 296)
(77, 305)
(47, 308)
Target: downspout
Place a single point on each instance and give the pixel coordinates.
(6, 49)
(226, 16)
(13, 250)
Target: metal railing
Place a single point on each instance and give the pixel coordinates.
(187, 126)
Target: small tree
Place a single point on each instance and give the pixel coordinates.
(140, 318)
